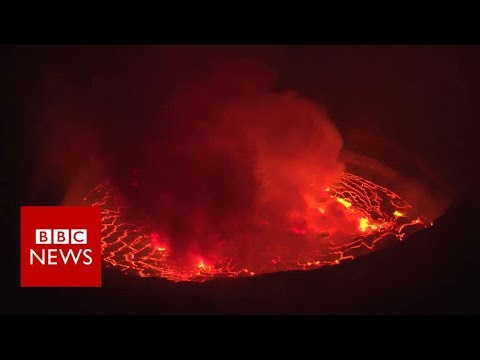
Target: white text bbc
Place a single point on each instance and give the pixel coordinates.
(61, 236)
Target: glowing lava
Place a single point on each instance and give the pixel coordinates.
(348, 219)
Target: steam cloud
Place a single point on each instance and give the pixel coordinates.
(222, 154)
(235, 152)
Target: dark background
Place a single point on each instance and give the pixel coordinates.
(421, 100)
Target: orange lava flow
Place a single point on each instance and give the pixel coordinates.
(372, 217)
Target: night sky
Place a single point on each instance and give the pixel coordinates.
(421, 98)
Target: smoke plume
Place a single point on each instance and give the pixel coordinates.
(208, 156)
(231, 153)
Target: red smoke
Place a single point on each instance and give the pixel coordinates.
(214, 155)
(236, 154)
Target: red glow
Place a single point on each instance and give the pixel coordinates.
(350, 218)
(298, 231)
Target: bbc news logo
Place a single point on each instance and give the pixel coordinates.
(60, 246)
(61, 237)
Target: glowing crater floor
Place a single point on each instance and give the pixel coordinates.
(353, 217)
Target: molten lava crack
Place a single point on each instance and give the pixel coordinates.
(350, 218)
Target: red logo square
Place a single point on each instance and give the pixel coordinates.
(61, 246)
